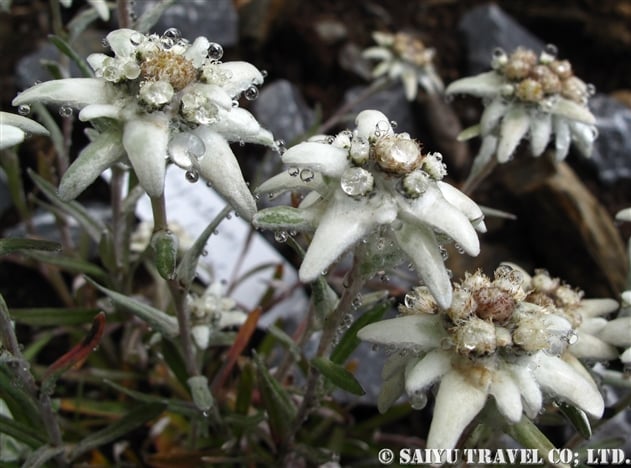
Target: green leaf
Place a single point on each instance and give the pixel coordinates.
(577, 418)
(41, 456)
(182, 407)
(11, 165)
(284, 217)
(164, 324)
(338, 375)
(324, 298)
(80, 22)
(164, 244)
(21, 432)
(530, 436)
(69, 264)
(66, 49)
(21, 405)
(93, 227)
(349, 340)
(280, 409)
(51, 316)
(203, 399)
(245, 390)
(132, 420)
(12, 245)
(188, 265)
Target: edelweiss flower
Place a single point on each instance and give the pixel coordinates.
(375, 185)
(212, 312)
(529, 96)
(159, 98)
(490, 342)
(99, 5)
(14, 128)
(405, 56)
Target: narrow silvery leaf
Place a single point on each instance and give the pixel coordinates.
(427, 371)
(507, 395)
(285, 217)
(583, 136)
(145, 141)
(200, 392)
(562, 138)
(540, 130)
(242, 76)
(97, 156)
(492, 114)
(289, 181)
(28, 125)
(573, 111)
(165, 244)
(469, 132)
(10, 136)
(75, 92)
(238, 124)
(483, 85)
(320, 157)
(422, 331)
(514, 126)
(338, 375)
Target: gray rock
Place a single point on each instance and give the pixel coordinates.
(613, 145)
(216, 20)
(30, 69)
(487, 27)
(282, 110)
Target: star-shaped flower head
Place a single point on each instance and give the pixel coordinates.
(212, 312)
(376, 186)
(404, 56)
(160, 99)
(14, 128)
(489, 342)
(529, 96)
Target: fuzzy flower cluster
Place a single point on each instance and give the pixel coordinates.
(161, 99)
(404, 56)
(491, 341)
(373, 185)
(530, 96)
(596, 337)
(212, 312)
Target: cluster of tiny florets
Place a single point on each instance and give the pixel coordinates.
(554, 294)
(534, 78)
(394, 155)
(488, 316)
(411, 49)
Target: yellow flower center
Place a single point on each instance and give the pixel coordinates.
(173, 68)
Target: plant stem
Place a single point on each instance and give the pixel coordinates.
(178, 295)
(124, 13)
(355, 281)
(119, 241)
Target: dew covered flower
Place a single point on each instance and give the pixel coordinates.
(531, 96)
(161, 99)
(490, 342)
(14, 128)
(374, 186)
(212, 312)
(404, 56)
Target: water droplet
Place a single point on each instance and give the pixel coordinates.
(418, 400)
(235, 103)
(293, 171)
(307, 175)
(356, 181)
(215, 51)
(393, 124)
(280, 236)
(591, 89)
(204, 253)
(572, 337)
(105, 43)
(65, 111)
(410, 299)
(24, 109)
(184, 148)
(136, 38)
(551, 49)
(192, 176)
(264, 73)
(251, 93)
(172, 34)
(348, 320)
(356, 303)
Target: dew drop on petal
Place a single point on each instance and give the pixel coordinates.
(65, 111)
(293, 171)
(264, 73)
(251, 93)
(551, 49)
(393, 124)
(418, 400)
(24, 109)
(184, 148)
(192, 176)
(357, 301)
(215, 51)
(356, 181)
(137, 38)
(281, 236)
(591, 89)
(235, 103)
(307, 175)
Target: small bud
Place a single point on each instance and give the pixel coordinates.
(200, 392)
(164, 244)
